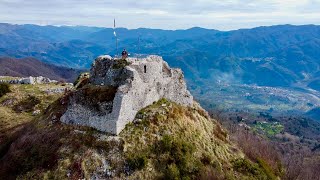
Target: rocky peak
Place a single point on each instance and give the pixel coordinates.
(118, 89)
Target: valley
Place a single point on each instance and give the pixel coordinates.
(257, 98)
(261, 84)
(262, 68)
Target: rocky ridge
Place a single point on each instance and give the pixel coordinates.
(165, 140)
(118, 89)
(27, 80)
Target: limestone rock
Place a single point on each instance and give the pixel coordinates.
(30, 80)
(36, 112)
(118, 89)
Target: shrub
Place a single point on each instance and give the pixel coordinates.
(4, 89)
(206, 159)
(244, 166)
(137, 162)
(257, 148)
(121, 63)
(82, 80)
(162, 101)
(179, 158)
(259, 170)
(172, 172)
(92, 96)
(267, 169)
(166, 143)
(27, 104)
(220, 133)
(208, 172)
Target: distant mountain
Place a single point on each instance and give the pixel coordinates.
(283, 56)
(269, 56)
(315, 84)
(314, 113)
(77, 46)
(32, 67)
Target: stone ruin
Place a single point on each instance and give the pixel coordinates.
(118, 89)
(28, 80)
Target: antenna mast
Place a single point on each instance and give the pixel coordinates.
(115, 35)
(139, 43)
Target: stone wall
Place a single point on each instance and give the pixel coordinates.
(139, 83)
(28, 80)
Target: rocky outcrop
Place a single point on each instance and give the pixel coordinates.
(29, 80)
(118, 89)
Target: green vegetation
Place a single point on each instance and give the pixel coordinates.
(31, 150)
(247, 167)
(260, 170)
(137, 162)
(4, 89)
(172, 172)
(167, 141)
(177, 156)
(16, 106)
(99, 93)
(268, 128)
(91, 95)
(180, 143)
(9, 118)
(267, 169)
(82, 80)
(120, 63)
(26, 105)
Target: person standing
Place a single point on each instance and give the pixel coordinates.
(124, 54)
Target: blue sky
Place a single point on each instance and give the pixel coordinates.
(164, 14)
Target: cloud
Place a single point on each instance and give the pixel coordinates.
(165, 14)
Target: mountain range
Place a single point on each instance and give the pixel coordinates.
(25, 67)
(262, 84)
(272, 56)
(283, 56)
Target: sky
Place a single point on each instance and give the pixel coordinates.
(162, 14)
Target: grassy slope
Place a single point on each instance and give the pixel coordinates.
(166, 141)
(19, 93)
(181, 124)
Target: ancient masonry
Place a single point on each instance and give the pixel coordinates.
(137, 83)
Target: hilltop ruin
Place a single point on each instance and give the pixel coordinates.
(118, 89)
